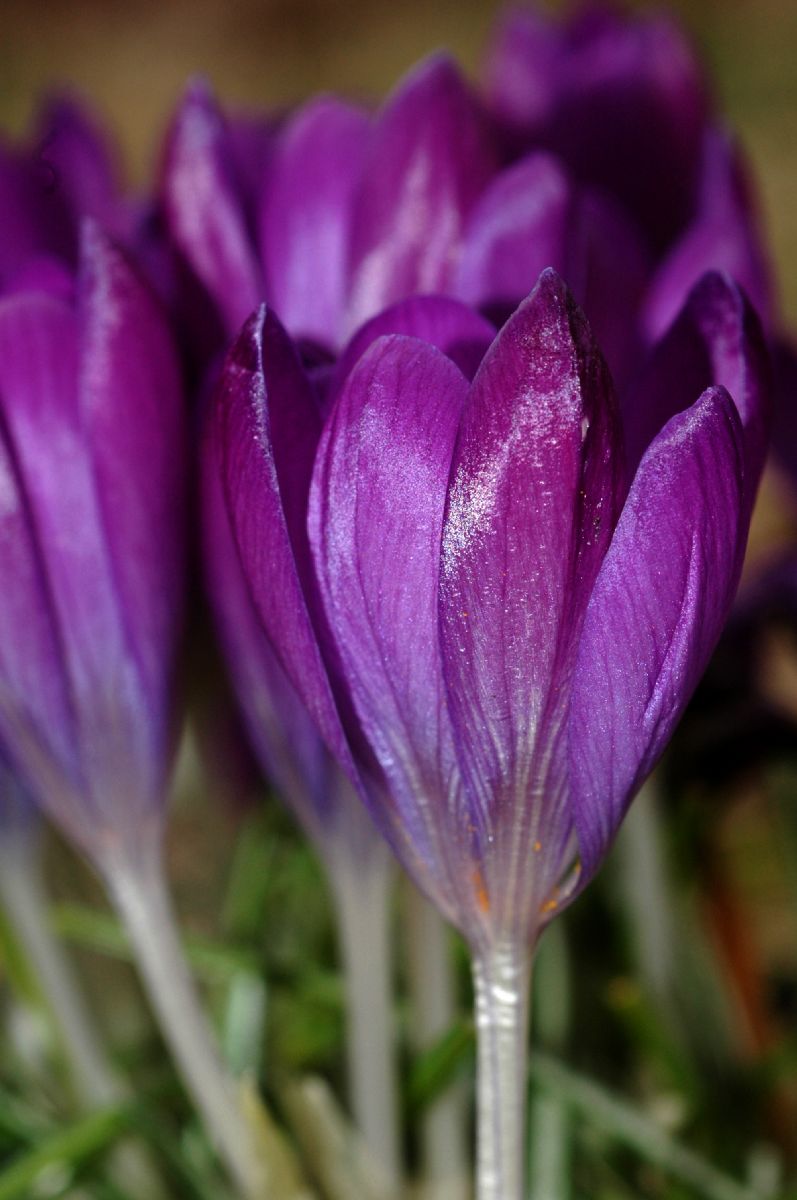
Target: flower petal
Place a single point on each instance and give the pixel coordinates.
(34, 693)
(306, 217)
(717, 339)
(204, 207)
(723, 236)
(267, 424)
(656, 612)
(518, 228)
(77, 151)
(535, 488)
(522, 68)
(429, 160)
(630, 115)
(288, 746)
(376, 513)
(607, 269)
(134, 421)
(452, 327)
(118, 741)
(35, 220)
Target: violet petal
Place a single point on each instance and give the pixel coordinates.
(268, 425)
(117, 742)
(376, 512)
(518, 228)
(717, 339)
(73, 146)
(723, 236)
(284, 738)
(430, 158)
(453, 327)
(306, 217)
(656, 612)
(535, 488)
(204, 207)
(133, 417)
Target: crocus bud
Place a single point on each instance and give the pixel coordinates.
(92, 466)
(518, 627)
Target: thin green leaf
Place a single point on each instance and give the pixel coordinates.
(433, 1070)
(69, 1148)
(625, 1124)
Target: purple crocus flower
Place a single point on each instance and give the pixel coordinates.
(93, 482)
(623, 104)
(355, 211)
(93, 506)
(602, 157)
(623, 100)
(494, 624)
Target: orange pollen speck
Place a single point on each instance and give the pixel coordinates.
(482, 899)
(537, 847)
(549, 906)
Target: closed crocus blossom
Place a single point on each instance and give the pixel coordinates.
(519, 626)
(280, 657)
(93, 545)
(603, 159)
(93, 476)
(353, 210)
(623, 104)
(356, 211)
(501, 623)
(294, 758)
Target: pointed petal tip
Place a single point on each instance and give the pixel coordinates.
(198, 93)
(551, 318)
(438, 70)
(246, 350)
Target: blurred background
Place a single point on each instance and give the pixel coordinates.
(730, 842)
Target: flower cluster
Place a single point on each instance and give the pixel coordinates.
(476, 472)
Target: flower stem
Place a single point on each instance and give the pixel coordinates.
(363, 911)
(25, 901)
(141, 898)
(549, 1120)
(96, 1086)
(433, 1010)
(647, 889)
(502, 978)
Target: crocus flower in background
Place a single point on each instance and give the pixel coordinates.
(65, 171)
(91, 409)
(516, 624)
(93, 456)
(294, 758)
(624, 103)
(595, 150)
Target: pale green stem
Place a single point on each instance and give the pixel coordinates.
(26, 903)
(433, 1010)
(549, 1120)
(645, 881)
(502, 978)
(363, 909)
(141, 898)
